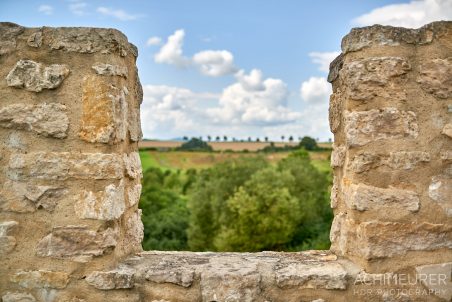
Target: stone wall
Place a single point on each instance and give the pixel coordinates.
(70, 228)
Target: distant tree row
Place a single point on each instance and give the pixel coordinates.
(249, 139)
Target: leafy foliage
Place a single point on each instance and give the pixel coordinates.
(195, 144)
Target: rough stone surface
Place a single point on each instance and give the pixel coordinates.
(116, 279)
(378, 76)
(363, 127)
(379, 35)
(329, 276)
(60, 243)
(447, 130)
(438, 279)
(385, 239)
(65, 165)
(407, 160)
(134, 230)
(132, 164)
(104, 205)
(110, 70)
(35, 39)
(45, 119)
(33, 76)
(133, 194)
(18, 297)
(400, 160)
(104, 111)
(335, 111)
(338, 156)
(8, 35)
(367, 198)
(435, 77)
(7, 243)
(440, 190)
(334, 196)
(41, 279)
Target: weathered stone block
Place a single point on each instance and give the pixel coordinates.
(134, 231)
(386, 239)
(76, 242)
(363, 127)
(110, 70)
(116, 279)
(18, 297)
(166, 274)
(25, 198)
(35, 39)
(364, 161)
(7, 243)
(65, 165)
(407, 160)
(334, 196)
(371, 77)
(335, 111)
(435, 77)
(104, 112)
(134, 194)
(44, 119)
(33, 76)
(41, 279)
(440, 190)
(312, 275)
(132, 165)
(447, 130)
(338, 156)
(8, 35)
(393, 201)
(436, 277)
(105, 205)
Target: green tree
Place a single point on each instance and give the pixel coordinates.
(262, 214)
(195, 144)
(308, 143)
(208, 198)
(165, 213)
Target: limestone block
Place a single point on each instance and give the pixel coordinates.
(363, 127)
(65, 165)
(382, 36)
(386, 239)
(132, 165)
(104, 205)
(90, 40)
(371, 77)
(18, 297)
(440, 190)
(134, 123)
(338, 156)
(312, 275)
(447, 130)
(134, 194)
(364, 161)
(436, 277)
(446, 155)
(335, 111)
(48, 120)
(104, 111)
(41, 279)
(25, 198)
(334, 196)
(394, 201)
(76, 242)
(117, 279)
(35, 39)
(435, 77)
(166, 274)
(33, 76)
(407, 160)
(134, 231)
(110, 70)
(8, 35)
(230, 279)
(7, 243)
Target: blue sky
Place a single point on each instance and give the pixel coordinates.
(236, 68)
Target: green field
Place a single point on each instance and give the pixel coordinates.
(180, 160)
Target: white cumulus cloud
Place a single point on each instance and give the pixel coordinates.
(315, 90)
(323, 59)
(154, 41)
(45, 9)
(251, 82)
(214, 63)
(117, 13)
(171, 52)
(413, 14)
